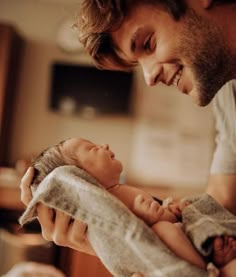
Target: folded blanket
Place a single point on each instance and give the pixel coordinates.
(205, 219)
(123, 242)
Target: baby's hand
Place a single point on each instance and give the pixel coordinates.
(147, 209)
(177, 208)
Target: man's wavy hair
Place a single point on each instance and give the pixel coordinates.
(98, 18)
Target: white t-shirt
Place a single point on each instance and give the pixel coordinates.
(224, 107)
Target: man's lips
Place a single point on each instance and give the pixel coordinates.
(176, 77)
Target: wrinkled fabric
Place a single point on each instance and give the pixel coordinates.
(204, 219)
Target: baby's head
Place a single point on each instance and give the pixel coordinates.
(45, 162)
(95, 159)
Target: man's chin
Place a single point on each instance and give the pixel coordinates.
(200, 98)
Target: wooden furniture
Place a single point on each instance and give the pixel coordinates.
(10, 54)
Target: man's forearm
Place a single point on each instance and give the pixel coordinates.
(222, 187)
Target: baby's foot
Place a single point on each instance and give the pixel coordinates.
(224, 250)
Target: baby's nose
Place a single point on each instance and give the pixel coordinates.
(105, 146)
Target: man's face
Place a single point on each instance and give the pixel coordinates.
(189, 53)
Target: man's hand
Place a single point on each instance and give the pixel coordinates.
(56, 226)
(62, 230)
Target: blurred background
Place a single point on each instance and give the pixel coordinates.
(50, 91)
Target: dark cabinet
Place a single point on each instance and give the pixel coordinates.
(10, 56)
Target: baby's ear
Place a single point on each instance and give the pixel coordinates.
(206, 3)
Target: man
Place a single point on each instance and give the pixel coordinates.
(190, 44)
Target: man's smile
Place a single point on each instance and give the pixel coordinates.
(176, 77)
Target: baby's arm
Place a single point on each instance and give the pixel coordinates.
(173, 237)
(151, 211)
(170, 233)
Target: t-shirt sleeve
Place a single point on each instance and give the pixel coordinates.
(224, 107)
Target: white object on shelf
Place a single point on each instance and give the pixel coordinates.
(68, 37)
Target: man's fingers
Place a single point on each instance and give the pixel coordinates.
(45, 218)
(58, 227)
(61, 228)
(78, 231)
(26, 195)
(78, 237)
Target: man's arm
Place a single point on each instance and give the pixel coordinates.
(222, 187)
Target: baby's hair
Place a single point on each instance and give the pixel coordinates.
(46, 161)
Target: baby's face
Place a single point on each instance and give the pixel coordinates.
(96, 159)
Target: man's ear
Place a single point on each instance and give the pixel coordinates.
(206, 4)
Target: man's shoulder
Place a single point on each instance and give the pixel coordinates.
(226, 97)
(228, 90)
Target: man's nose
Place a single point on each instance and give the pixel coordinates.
(151, 74)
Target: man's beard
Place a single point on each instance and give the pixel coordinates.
(207, 56)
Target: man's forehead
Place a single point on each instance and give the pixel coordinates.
(131, 28)
(124, 39)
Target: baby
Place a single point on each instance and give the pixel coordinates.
(100, 162)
